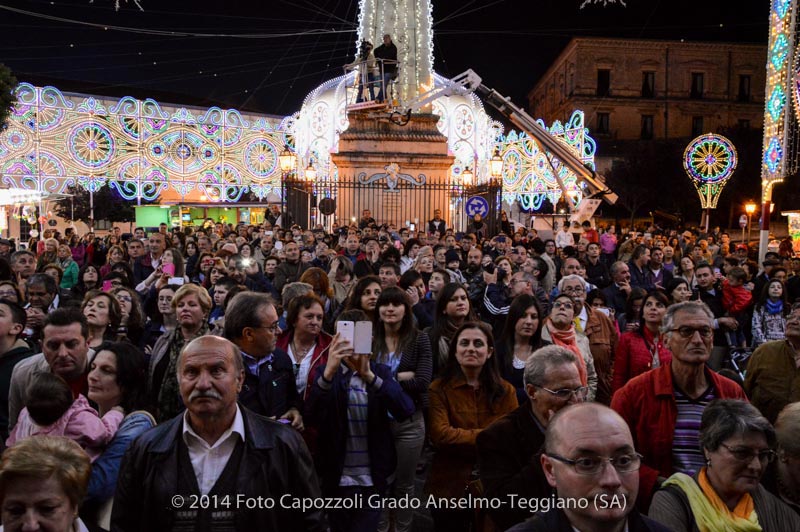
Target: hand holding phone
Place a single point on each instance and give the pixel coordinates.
(346, 331)
(169, 269)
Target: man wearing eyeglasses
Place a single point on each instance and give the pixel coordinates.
(591, 462)
(663, 406)
(508, 448)
(773, 372)
(251, 322)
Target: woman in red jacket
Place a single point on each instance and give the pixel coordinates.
(305, 341)
(644, 349)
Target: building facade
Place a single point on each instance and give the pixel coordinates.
(654, 90)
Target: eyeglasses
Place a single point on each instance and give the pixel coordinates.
(275, 327)
(688, 332)
(592, 465)
(566, 393)
(573, 290)
(744, 454)
(563, 304)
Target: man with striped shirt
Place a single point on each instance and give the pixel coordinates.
(663, 407)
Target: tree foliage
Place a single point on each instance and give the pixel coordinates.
(108, 205)
(8, 83)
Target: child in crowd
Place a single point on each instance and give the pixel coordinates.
(50, 410)
(736, 299)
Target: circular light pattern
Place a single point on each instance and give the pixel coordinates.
(91, 145)
(320, 118)
(710, 158)
(261, 158)
(464, 121)
(16, 139)
(158, 150)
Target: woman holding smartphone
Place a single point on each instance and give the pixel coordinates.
(398, 344)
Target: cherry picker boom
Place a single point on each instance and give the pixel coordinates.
(557, 152)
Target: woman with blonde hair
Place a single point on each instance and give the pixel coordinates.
(69, 267)
(50, 254)
(192, 305)
(116, 253)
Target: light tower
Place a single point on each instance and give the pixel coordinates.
(410, 23)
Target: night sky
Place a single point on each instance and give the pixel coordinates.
(508, 42)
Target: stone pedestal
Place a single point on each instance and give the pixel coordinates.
(400, 173)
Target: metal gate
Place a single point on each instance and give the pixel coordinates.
(401, 203)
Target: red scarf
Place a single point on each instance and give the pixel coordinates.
(567, 339)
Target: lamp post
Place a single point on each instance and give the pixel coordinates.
(495, 189)
(749, 208)
(286, 160)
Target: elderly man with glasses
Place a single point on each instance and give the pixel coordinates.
(663, 407)
(507, 448)
(590, 460)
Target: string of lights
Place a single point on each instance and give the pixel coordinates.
(176, 33)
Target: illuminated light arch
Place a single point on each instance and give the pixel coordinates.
(150, 152)
(144, 150)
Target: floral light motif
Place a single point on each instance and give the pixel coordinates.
(709, 160)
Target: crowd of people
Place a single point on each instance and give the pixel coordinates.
(196, 378)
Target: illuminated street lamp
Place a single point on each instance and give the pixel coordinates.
(496, 163)
(467, 176)
(310, 175)
(749, 208)
(286, 159)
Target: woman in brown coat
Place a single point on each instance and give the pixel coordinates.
(468, 397)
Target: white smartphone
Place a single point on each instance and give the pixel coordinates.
(346, 330)
(363, 338)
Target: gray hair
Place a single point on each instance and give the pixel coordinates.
(787, 426)
(544, 359)
(691, 307)
(724, 418)
(615, 267)
(568, 278)
(293, 290)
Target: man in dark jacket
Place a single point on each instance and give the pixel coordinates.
(290, 270)
(216, 449)
(13, 349)
(710, 293)
(595, 494)
(251, 322)
(386, 53)
(508, 449)
(617, 292)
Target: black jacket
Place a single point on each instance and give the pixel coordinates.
(273, 391)
(275, 462)
(508, 462)
(557, 521)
